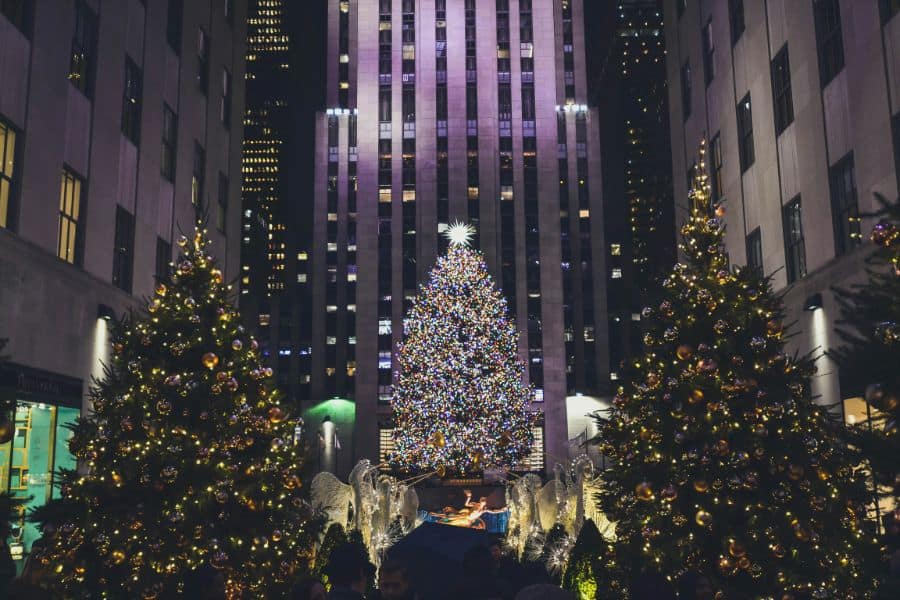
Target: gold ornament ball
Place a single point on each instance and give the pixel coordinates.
(161, 289)
(438, 440)
(643, 491)
(696, 396)
(276, 414)
(210, 360)
(736, 549)
(684, 352)
(441, 471)
(7, 431)
(701, 486)
(217, 276)
(703, 518)
(669, 493)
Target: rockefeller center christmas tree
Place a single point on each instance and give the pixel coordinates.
(869, 358)
(188, 456)
(723, 463)
(461, 403)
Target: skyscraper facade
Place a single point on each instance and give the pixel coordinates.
(456, 110)
(799, 101)
(119, 121)
(630, 89)
(277, 185)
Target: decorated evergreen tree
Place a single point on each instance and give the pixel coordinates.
(188, 455)
(461, 403)
(869, 358)
(585, 568)
(724, 464)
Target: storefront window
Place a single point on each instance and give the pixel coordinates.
(38, 449)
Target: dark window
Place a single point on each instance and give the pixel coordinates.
(173, 24)
(19, 14)
(202, 61)
(131, 102)
(8, 137)
(123, 251)
(169, 143)
(794, 244)
(829, 40)
(198, 174)
(84, 48)
(895, 133)
(680, 6)
(222, 214)
(715, 159)
(163, 258)
(709, 54)
(781, 90)
(754, 252)
(70, 222)
(225, 104)
(745, 133)
(686, 89)
(888, 8)
(844, 205)
(736, 18)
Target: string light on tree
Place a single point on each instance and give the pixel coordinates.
(724, 465)
(461, 403)
(188, 454)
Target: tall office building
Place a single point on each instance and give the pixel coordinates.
(457, 110)
(117, 120)
(630, 89)
(799, 101)
(278, 172)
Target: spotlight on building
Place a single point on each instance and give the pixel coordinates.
(105, 312)
(813, 303)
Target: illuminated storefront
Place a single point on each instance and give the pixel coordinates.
(46, 404)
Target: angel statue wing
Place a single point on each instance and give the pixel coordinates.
(407, 507)
(551, 500)
(331, 496)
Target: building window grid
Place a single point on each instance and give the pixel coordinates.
(132, 98)
(745, 133)
(829, 39)
(169, 143)
(844, 205)
(174, 19)
(82, 58)
(781, 90)
(163, 260)
(794, 243)
(123, 250)
(736, 19)
(718, 177)
(70, 209)
(8, 148)
(754, 252)
(686, 91)
(709, 54)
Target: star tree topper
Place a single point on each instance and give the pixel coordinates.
(460, 234)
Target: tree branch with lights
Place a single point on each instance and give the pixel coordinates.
(723, 463)
(461, 403)
(869, 357)
(188, 456)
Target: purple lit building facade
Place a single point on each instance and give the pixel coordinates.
(457, 110)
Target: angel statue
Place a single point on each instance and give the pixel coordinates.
(552, 500)
(345, 503)
(524, 518)
(583, 488)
